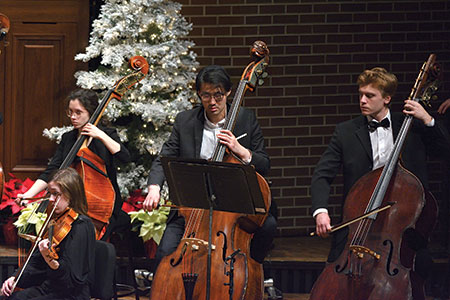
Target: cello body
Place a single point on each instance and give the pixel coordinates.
(351, 277)
(234, 275)
(192, 253)
(378, 257)
(100, 205)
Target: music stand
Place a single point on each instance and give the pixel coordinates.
(199, 183)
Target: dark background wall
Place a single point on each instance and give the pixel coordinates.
(317, 50)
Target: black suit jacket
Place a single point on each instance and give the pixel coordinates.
(350, 148)
(185, 141)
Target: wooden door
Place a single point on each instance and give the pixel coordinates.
(36, 73)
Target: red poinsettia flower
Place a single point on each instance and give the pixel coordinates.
(134, 202)
(12, 188)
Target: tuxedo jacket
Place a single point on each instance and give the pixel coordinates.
(350, 148)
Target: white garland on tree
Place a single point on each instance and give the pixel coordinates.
(155, 30)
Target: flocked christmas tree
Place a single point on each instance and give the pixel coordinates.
(155, 30)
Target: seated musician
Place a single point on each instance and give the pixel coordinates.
(359, 148)
(81, 104)
(66, 277)
(194, 135)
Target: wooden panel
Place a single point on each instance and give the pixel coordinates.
(56, 11)
(2, 96)
(37, 74)
(41, 73)
(38, 89)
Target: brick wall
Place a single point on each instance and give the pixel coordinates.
(317, 49)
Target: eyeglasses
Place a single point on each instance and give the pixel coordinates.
(77, 113)
(207, 96)
(55, 195)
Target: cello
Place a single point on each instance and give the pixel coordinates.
(376, 262)
(235, 274)
(100, 193)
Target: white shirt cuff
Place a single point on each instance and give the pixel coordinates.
(431, 124)
(248, 160)
(318, 211)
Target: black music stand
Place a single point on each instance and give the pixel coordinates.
(209, 185)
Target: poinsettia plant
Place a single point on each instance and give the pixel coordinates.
(13, 215)
(13, 187)
(150, 224)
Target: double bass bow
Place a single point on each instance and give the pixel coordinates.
(235, 275)
(386, 203)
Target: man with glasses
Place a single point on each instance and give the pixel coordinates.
(195, 134)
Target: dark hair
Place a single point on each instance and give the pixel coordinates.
(72, 187)
(215, 75)
(383, 80)
(87, 98)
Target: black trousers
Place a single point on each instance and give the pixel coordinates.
(42, 292)
(259, 247)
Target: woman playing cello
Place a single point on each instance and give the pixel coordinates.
(65, 277)
(105, 143)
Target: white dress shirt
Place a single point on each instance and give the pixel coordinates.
(382, 140)
(210, 140)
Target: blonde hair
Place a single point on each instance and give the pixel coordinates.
(381, 79)
(72, 188)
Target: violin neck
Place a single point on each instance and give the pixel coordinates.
(230, 121)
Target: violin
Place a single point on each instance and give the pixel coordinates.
(235, 274)
(55, 228)
(59, 229)
(382, 207)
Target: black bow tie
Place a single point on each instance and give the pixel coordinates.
(373, 125)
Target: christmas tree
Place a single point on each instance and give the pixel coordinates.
(155, 30)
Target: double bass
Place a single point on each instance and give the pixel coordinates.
(232, 273)
(377, 262)
(100, 193)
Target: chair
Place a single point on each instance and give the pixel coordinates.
(103, 280)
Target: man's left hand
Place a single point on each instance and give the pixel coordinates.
(416, 110)
(227, 138)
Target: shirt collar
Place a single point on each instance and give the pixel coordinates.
(388, 116)
(211, 125)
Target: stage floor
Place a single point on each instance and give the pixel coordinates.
(300, 249)
(302, 254)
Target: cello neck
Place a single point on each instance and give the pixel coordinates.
(82, 139)
(230, 121)
(252, 76)
(386, 175)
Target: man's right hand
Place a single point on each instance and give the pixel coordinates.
(444, 106)
(323, 224)
(152, 200)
